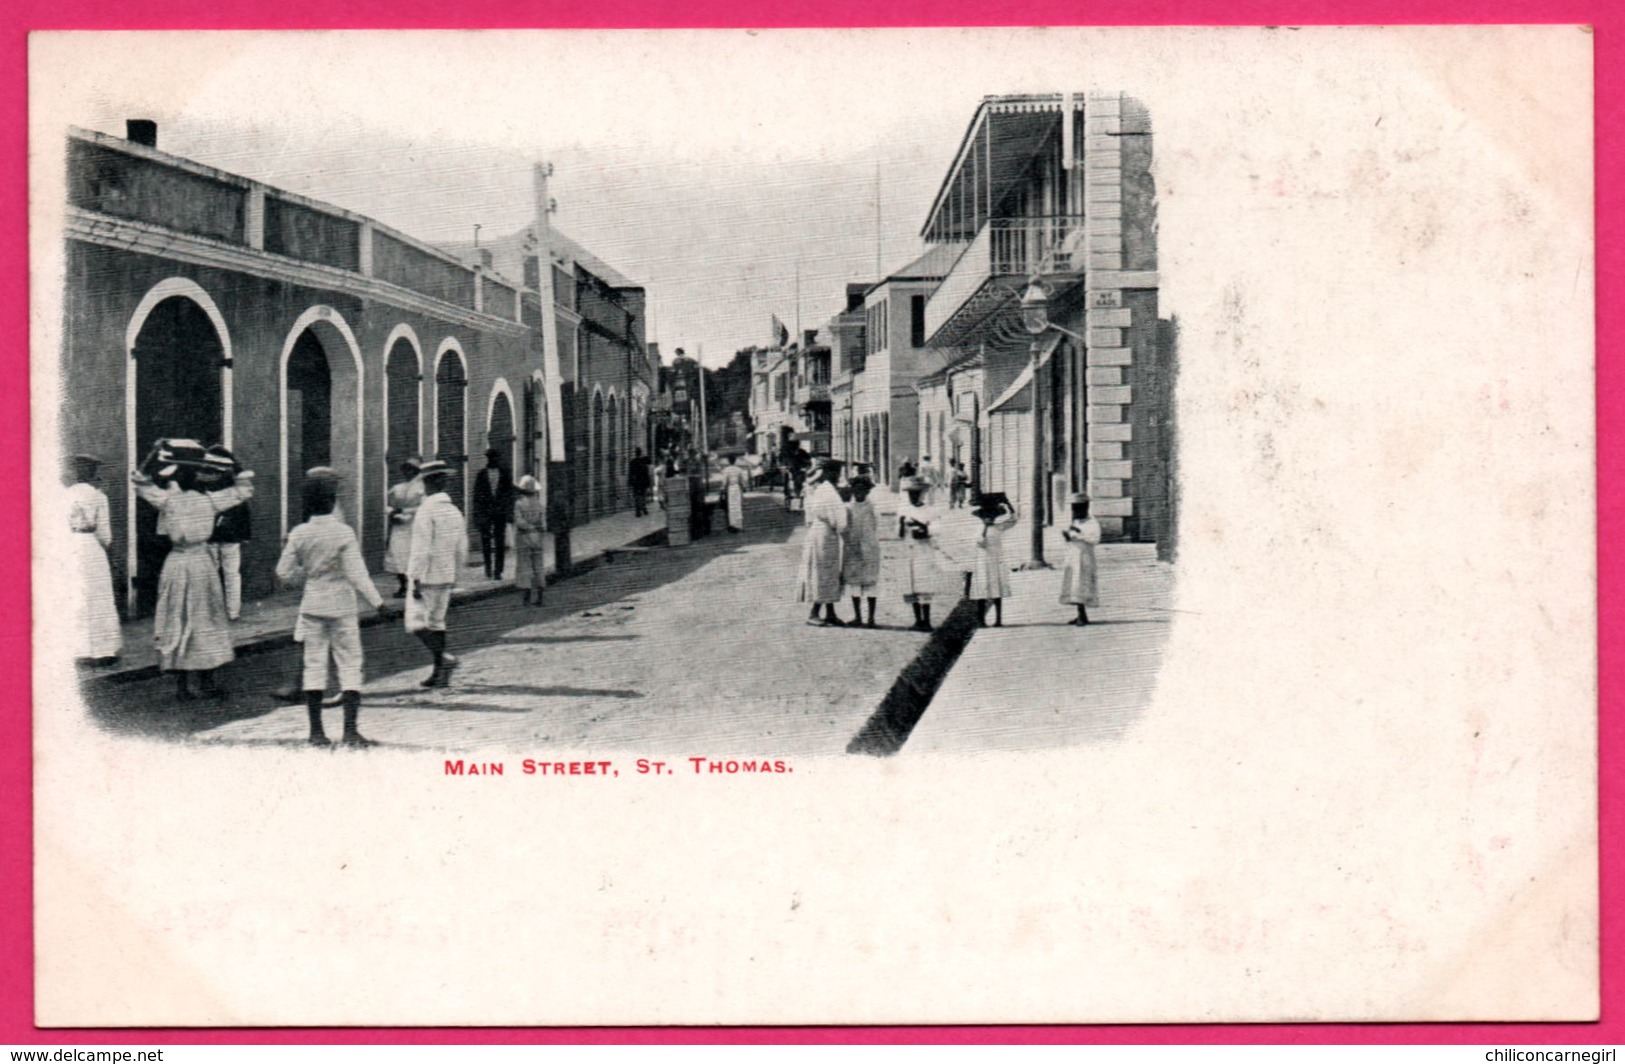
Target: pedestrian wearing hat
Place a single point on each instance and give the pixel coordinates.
(232, 528)
(990, 577)
(639, 478)
(190, 628)
(932, 479)
(529, 540)
(493, 510)
(1078, 580)
(95, 620)
(439, 551)
(324, 555)
(820, 582)
(915, 521)
(860, 562)
(958, 484)
(404, 499)
(734, 482)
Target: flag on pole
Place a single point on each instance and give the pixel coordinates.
(781, 335)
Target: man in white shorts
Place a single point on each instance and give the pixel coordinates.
(324, 555)
(439, 552)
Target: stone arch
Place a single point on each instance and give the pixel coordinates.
(451, 416)
(402, 402)
(175, 305)
(320, 336)
(501, 428)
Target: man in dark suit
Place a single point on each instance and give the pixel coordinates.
(639, 479)
(493, 509)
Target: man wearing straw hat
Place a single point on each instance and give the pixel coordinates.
(439, 551)
(529, 540)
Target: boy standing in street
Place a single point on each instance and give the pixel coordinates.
(439, 551)
(323, 554)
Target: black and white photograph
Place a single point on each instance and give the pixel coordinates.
(816, 526)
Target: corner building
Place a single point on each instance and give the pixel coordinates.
(1056, 188)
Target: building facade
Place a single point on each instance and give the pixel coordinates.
(205, 305)
(847, 333)
(886, 426)
(1056, 189)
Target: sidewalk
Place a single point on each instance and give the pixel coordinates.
(271, 619)
(1038, 683)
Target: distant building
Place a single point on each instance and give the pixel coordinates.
(885, 408)
(608, 372)
(847, 351)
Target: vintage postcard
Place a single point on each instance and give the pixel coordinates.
(813, 527)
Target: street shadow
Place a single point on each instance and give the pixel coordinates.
(1068, 624)
(554, 691)
(551, 640)
(163, 717)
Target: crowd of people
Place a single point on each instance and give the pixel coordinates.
(842, 546)
(201, 496)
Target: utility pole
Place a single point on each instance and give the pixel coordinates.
(705, 425)
(555, 469)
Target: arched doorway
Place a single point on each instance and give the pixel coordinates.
(535, 426)
(451, 417)
(402, 405)
(321, 411)
(596, 456)
(611, 454)
(499, 432)
(178, 361)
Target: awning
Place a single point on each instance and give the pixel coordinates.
(1026, 374)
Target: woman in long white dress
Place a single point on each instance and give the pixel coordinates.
(96, 632)
(190, 628)
(821, 551)
(1079, 586)
(990, 576)
(404, 500)
(734, 480)
(860, 559)
(923, 575)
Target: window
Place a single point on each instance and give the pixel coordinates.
(916, 321)
(877, 340)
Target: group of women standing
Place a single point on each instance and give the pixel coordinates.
(842, 547)
(189, 487)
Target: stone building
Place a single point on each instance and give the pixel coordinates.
(1058, 189)
(203, 304)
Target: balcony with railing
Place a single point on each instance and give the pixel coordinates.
(812, 392)
(988, 276)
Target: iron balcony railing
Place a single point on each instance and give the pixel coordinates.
(1004, 248)
(1025, 246)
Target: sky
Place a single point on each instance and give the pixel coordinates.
(735, 175)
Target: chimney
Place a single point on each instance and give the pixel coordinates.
(485, 258)
(143, 131)
(809, 337)
(855, 294)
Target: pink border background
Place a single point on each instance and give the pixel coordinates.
(16, 885)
